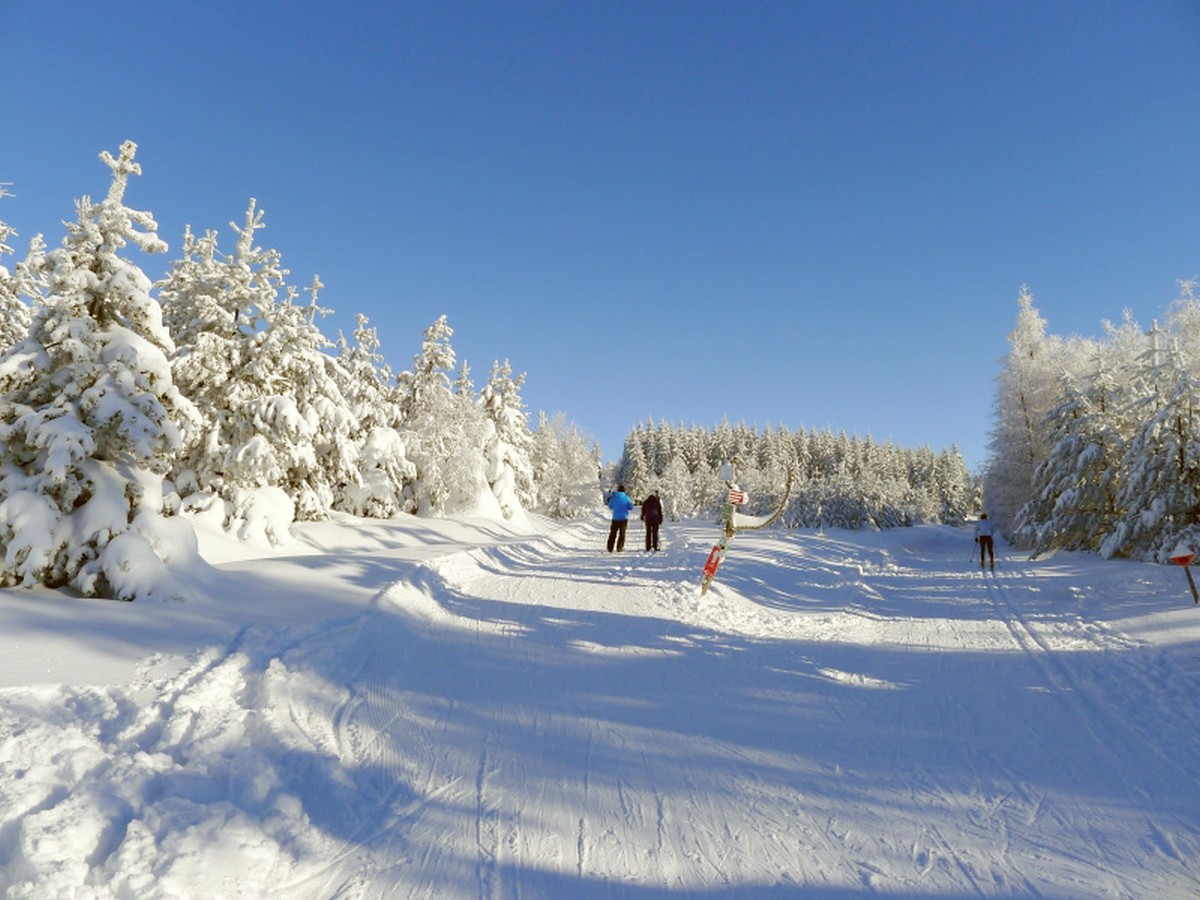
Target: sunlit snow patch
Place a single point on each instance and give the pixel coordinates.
(858, 680)
(420, 604)
(621, 650)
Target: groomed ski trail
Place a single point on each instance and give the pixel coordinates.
(593, 727)
(840, 714)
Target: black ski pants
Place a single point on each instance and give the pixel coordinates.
(985, 547)
(651, 535)
(616, 534)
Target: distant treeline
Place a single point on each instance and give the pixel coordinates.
(837, 480)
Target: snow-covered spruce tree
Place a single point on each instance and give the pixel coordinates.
(11, 307)
(761, 469)
(635, 472)
(693, 447)
(14, 312)
(90, 417)
(210, 304)
(510, 472)
(318, 457)
(274, 441)
(660, 446)
(910, 478)
(385, 472)
(1159, 492)
(6, 230)
(446, 433)
(1076, 503)
(370, 388)
(676, 491)
(567, 469)
(952, 488)
(1027, 390)
(721, 445)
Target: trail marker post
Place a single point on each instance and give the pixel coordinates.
(1184, 560)
(735, 498)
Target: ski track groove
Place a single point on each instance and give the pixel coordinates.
(1112, 740)
(942, 852)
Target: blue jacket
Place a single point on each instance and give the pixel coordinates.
(620, 504)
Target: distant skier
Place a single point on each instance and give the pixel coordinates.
(983, 537)
(652, 515)
(620, 504)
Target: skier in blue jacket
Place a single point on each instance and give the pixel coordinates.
(621, 505)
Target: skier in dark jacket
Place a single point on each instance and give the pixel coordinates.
(620, 504)
(652, 515)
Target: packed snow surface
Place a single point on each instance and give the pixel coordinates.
(453, 709)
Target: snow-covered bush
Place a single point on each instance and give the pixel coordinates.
(384, 470)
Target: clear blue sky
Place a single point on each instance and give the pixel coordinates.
(814, 214)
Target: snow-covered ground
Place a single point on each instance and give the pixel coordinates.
(450, 709)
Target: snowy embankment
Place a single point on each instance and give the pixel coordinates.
(447, 709)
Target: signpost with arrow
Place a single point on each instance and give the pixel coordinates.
(734, 521)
